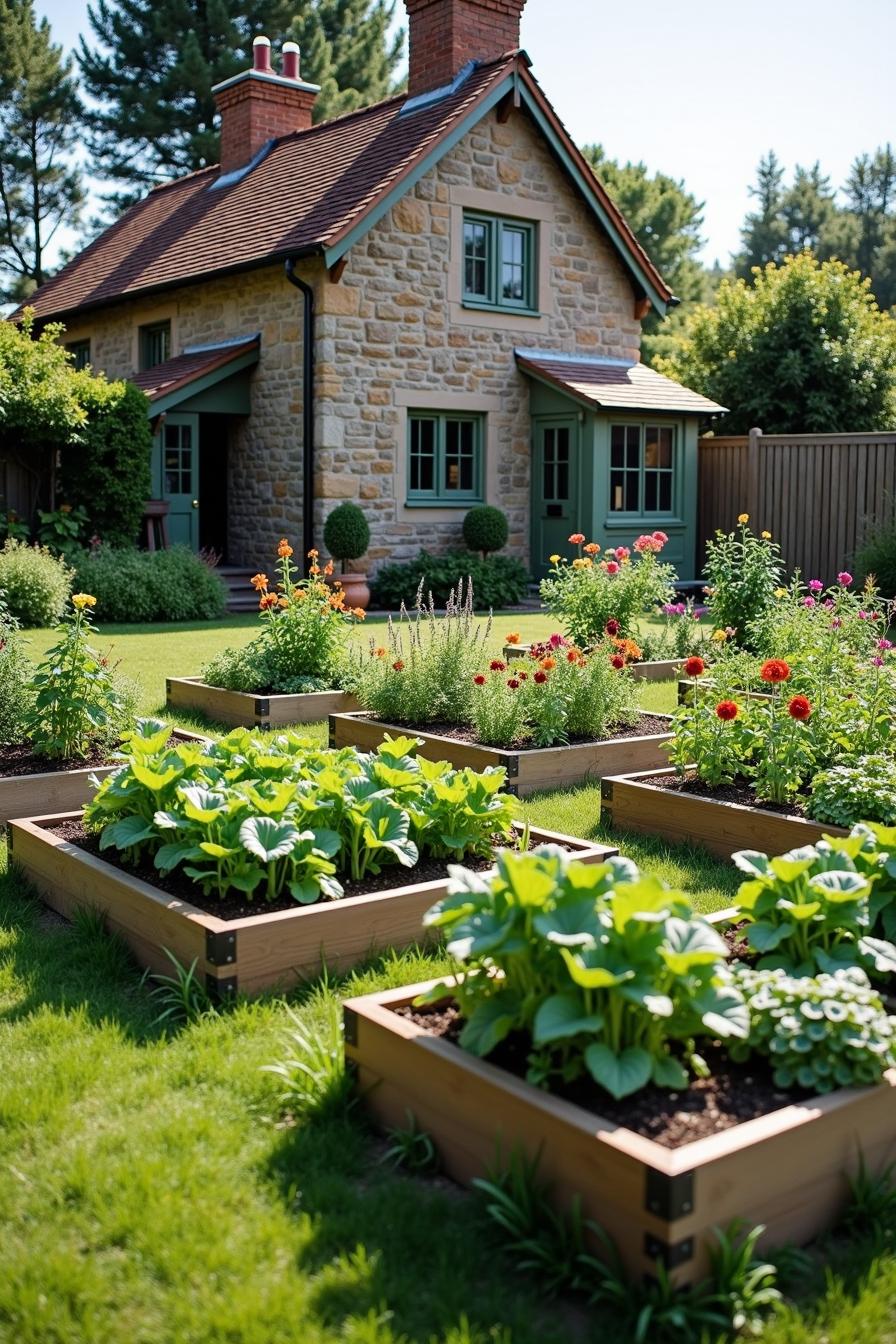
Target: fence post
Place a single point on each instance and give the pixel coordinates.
(752, 501)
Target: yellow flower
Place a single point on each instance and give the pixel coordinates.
(580, 563)
(743, 517)
(766, 536)
(554, 559)
(82, 600)
(719, 636)
(780, 592)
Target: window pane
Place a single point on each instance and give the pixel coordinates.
(476, 248)
(422, 466)
(513, 264)
(665, 502)
(617, 446)
(460, 473)
(650, 492)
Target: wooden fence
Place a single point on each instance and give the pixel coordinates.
(815, 493)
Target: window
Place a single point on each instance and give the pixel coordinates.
(642, 468)
(499, 263)
(444, 458)
(155, 344)
(80, 353)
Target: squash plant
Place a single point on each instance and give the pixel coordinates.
(810, 910)
(276, 815)
(603, 970)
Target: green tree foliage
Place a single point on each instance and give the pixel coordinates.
(666, 220)
(107, 469)
(152, 65)
(804, 349)
(39, 402)
(764, 233)
(39, 126)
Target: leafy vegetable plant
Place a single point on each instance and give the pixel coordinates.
(809, 910)
(280, 815)
(863, 789)
(601, 969)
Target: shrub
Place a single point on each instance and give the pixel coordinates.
(499, 581)
(15, 680)
(744, 572)
(346, 532)
(594, 598)
(862, 790)
(281, 815)
(136, 587)
(876, 557)
(601, 969)
(485, 529)
(107, 470)
(824, 623)
(301, 645)
(34, 583)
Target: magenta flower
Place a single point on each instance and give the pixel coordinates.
(844, 578)
(884, 644)
(828, 603)
(836, 623)
(808, 601)
(878, 661)
(815, 586)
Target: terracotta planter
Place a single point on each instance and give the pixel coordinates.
(239, 709)
(634, 802)
(355, 587)
(786, 1169)
(529, 769)
(57, 790)
(272, 949)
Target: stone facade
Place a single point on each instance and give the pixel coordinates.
(392, 335)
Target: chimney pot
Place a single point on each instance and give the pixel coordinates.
(290, 61)
(261, 54)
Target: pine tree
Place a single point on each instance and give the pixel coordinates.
(40, 186)
(152, 64)
(807, 209)
(764, 235)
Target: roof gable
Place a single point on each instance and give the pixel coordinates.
(316, 192)
(613, 384)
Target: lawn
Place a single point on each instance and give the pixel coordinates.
(154, 1191)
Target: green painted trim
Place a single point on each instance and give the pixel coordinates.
(496, 226)
(202, 384)
(567, 393)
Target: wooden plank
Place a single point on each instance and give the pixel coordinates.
(51, 791)
(238, 709)
(634, 804)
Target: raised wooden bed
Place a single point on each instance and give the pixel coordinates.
(240, 710)
(263, 951)
(632, 802)
(528, 770)
(786, 1169)
(57, 790)
(704, 686)
(661, 669)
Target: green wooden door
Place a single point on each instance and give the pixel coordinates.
(555, 501)
(176, 477)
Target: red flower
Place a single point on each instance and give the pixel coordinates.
(660, 537)
(577, 538)
(612, 627)
(573, 656)
(695, 667)
(479, 680)
(513, 683)
(774, 670)
(617, 661)
(524, 676)
(540, 678)
(398, 665)
(497, 666)
(799, 707)
(727, 710)
(612, 567)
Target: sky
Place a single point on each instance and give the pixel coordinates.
(700, 89)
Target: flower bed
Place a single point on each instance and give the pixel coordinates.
(661, 669)
(239, 709)
(574, 1036)
(529, 768)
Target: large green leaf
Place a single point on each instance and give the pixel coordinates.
(561, 1016)
(621, 1074)
(490, 1022)
(126, 832)
(527, 876)
(574, 922)
(800, 911)
(202, 805)
(753, 862)
(386, 827)
(167, 857)
(481, 933)
(840, 885)
(152, 779)
(590, 969)
(723, 1011)
(669, 1072)
(765, 937)
(882, 954)
(267, 839)
(691, 943)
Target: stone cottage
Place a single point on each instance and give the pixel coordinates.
(421, 305)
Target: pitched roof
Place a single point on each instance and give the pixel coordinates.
(163, 379)
(312, 192)
(613, 384)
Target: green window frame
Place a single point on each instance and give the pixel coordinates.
(80, 353)
(444, 458)
(643, 462)
(155, 344)
(499, 262)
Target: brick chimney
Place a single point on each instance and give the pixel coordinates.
(260, 105)
(443, 35)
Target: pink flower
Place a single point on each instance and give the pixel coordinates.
(884, 644)
(612, 567)
(815, 586)
(877, 661)
(556, 641)
(660, 537)
(863, 616)
(828, 603)
(808, 601)
(844, 578)
(836, 623)
(646, 545)
(622, 552)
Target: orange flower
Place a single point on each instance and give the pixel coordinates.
(380, 652)
(259, 581)
(577, 538)
(313, 554)
(284, 549)
(359, 613)
(592, 548)
(513, 639)
(328, 567)
(267, 600)
(283, 602)
(548, 663)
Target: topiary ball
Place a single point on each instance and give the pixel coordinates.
(346, 532)
(485, 529)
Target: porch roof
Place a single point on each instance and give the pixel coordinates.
(197, 368)
(613, 384)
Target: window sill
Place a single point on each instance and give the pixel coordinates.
(442, 503)
(658, 521)
(506, 310)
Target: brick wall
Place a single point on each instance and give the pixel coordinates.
(254, 111)
(443, 35)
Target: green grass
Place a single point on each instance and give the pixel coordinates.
(153, 1192)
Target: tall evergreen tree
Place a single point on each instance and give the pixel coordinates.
(151, 66)
(40, 185)
(807, 208)
(764, 235)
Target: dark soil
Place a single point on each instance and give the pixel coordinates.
(645, 725)
(21, 760)
(740, 791)
(731, 1094)
(234, 905)
(738, 947)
